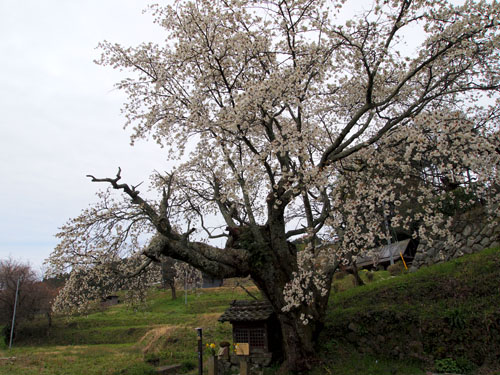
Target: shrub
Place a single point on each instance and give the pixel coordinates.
(457, 366)
(339, 275)
(395, 269)
(465, 365)
(450, 365)
(446, 365)
(369, 276)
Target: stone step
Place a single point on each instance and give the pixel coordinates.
(167, 370)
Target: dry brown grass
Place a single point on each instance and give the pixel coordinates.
(156, 339)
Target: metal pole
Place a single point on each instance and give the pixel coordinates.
(14, 314)
(200, 350)
(185, 287)
(388, 235)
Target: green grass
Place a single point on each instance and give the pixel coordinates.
(450, 310)
(116, 341)
(470, 282)
(108, 359)
(347, 281)
(121, 324)
(353, 363)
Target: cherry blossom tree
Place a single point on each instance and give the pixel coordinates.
(288, 121)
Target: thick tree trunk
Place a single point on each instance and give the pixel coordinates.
(298, 334)
(298, 342)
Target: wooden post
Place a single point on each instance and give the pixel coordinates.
(244, 366)
(212, 365)
(200, 350)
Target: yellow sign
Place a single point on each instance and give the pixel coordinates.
(242, 348)
(401, 254)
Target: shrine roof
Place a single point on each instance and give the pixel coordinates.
(247, 311)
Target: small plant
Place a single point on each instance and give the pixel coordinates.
(446, 365)
(465, 365)
(210, 348)
(456, 318)
(187, 366)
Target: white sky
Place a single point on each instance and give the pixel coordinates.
(60, 116)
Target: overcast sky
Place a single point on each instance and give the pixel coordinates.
(60, 116)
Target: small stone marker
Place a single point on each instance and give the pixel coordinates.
(223, 353)
(212, 365)
(243, 366)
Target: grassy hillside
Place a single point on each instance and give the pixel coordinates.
(120, 340)
(445, 314)
(445, 317)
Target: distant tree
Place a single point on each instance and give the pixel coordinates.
(187, 276)
(34, 296)
(271, 108)
(92, 283)
(175, 273)
(168, 274)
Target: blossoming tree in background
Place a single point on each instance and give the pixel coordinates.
(287, 121)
